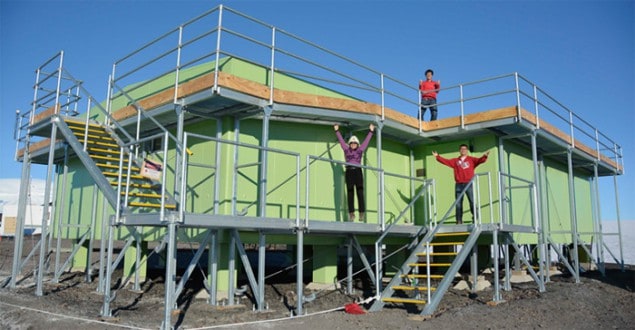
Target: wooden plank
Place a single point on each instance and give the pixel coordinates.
(262, 91)
(530, 117)
(45, 114)
(37, 146)
(196, 85)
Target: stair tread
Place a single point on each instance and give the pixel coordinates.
(446, 243)
(101, 144)
(106, 151)
(123, 175)
(113, 166)
(137, 194)
(439, 254)
(106, 158)
(151, 205)
(434, 264)
(135, 185)
(404, 300)
(421, 276)
(82, 129)
(80, 135)
(411, 288)
(458, 233)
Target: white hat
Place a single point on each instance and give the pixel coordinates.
(353, 139)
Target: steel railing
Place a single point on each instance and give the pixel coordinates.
(223, 33)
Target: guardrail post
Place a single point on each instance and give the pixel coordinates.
(517, 96)
(264, 164)
(536, 106)
(380, 184)
(272, 68)
(383, 105)
(218, 39)
(462, 107)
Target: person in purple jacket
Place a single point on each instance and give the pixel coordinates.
(353, 153)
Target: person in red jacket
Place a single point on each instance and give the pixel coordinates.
(429, 90)
(463, 167)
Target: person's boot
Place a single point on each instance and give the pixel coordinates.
(362, 216)
(459, 221)
(351, 216)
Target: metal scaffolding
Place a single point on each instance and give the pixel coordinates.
(115, 209)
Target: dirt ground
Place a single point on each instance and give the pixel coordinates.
(596, 302)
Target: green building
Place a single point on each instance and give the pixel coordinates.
(231, 149)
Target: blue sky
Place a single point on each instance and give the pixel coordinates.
(580, 52)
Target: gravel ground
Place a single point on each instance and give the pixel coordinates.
(606, 302)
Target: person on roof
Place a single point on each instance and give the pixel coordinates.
(429, 89)
(353, 153)
(463, 167)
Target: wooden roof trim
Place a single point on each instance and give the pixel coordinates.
(37, 146)
(45, 114)
(259, 90)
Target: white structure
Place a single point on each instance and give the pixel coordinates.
(32, 223)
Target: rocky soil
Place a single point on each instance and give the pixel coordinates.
(606, 302)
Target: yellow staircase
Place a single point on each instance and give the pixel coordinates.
(431, 267)
(104, 150)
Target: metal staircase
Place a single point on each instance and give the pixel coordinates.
(107, 161)
(427, 273)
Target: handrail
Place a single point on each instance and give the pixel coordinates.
(353, 78)
(185, 162)
(503, 195)
(381, 220)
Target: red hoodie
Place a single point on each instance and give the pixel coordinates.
(429, 88)
(463, 169)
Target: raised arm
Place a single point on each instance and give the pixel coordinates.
(442, 160)
(339, 137)
(364, 145)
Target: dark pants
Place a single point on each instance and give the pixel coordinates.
(431, 103)
(355, 181)
(458, 188)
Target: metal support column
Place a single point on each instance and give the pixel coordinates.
(502, 190)
(497, 296)
(619, 221)
(170, 276)
(136, 286)
(574, 218)
(300, 271)
(508, 285)
(235, 168)
(105, 311)
(105, 229)
(262, 211)
(544, 200)
(597, 220)
(413, 173)
(212, 268)
(45, 213)
(217, 164)
(180, 149)
(60, 216)
(380, 183)
(262, 251)
(474, 267)
(91, 239)
(25, 183)
(231, 268)
(538, 207)
(349, 265)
